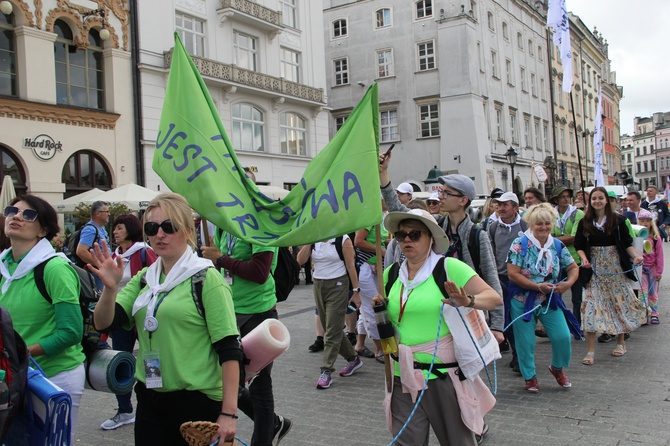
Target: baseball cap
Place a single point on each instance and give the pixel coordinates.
(612, 194)
(459, 183)
(507, 196)
(434, 197)
(405, 188)
(495, 193)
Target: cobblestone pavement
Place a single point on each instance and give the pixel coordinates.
(618, 401)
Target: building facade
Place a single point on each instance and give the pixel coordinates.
(644, 141)
(459, 85)
(263, 63)
(66, 106)
(627, 156)
(662, 137)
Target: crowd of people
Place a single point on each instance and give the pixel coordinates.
(186, 301)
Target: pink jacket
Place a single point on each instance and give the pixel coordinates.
(655, 259)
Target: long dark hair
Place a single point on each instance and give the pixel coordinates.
(612, 218)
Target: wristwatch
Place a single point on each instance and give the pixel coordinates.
(356, 290)
(472, 300)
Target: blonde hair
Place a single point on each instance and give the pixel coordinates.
(488, 208)
(177, 210)
(540, 211)
(653, 229)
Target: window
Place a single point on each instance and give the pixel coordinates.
(644, 150)
(512, 126)
(341, 71)
(526, 132)
(83, 171)
(79, 72)
(383, 17)
(637, 149)
(388, 123)
(288, 10)
(339, 122)
(508, 72)
(531, 48)
(652, 164)
(290, 65)
(519, 40)
(571, 135)
(7, 56)
(540, 54)
(505, 30)
(426, 55)
(245, 49)
(385, 63)
(494, 64)
(248, 124)
(481, 57)
(651, 148)
(293, 134)
(563, 141)
(430, 120)
(499, 123)
(538, 136)
(490, 21)
(340, 28)
(560, 93)
(543, 95)
(577, 101)
(545, 134)
(646, 166)
(533, 88)
(628, 158)
(524, 87)
(12, 166)
(424, 9)
(473, 8)
(192, 33)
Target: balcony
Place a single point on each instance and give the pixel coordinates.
(234, 76)
(251, 13)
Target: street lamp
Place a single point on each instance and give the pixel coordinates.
(511, 156)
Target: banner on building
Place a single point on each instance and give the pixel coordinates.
(598, 143)
(557, 18)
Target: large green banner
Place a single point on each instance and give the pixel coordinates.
(338, 192)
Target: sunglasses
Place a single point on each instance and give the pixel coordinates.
(413, 235)
(27, 214)
(151, 228)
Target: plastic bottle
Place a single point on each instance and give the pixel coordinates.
(4, 392)
(386, 330)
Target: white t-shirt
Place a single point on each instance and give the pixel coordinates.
(327, 264)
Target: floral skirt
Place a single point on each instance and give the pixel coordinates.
(609, 304)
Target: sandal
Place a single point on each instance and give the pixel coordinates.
(365, 352)
(654, 320)
(620, 350)
(589, 359)
(380, 357)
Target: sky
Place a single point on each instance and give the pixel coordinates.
(634, 31)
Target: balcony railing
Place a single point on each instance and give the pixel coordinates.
(252, 10)
(241, 76)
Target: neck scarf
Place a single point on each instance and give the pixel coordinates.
(130, 251)
(421, 276)
(655, 200)
(545, 257)
(38, 254)
(509, 226)
(563, 220)
(187, 265)
(600, 226)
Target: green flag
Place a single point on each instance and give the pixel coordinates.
(338, 193)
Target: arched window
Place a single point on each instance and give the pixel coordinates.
(79, 72)
(12, 167)
(293, 134)
(83, 171)
(505, 31)
(248, 128)
(7, 56)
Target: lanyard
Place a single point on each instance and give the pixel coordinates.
(403, 302)
(231, 243)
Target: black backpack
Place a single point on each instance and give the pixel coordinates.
(285, 273)
(73, 241)
(88, 297)
(14, 360)
(197, 283)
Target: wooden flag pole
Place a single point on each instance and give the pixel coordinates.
(205, 230)
(382, 291)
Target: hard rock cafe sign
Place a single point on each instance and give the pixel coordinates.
(43, 146)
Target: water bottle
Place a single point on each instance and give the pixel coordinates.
(386, 330)
(4, 392)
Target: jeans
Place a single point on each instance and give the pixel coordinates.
(124, 340)
(257, 402)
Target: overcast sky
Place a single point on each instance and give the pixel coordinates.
(635, 33)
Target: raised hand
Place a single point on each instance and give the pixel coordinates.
(107, 268)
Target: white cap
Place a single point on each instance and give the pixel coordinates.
(507, 196)
(405, 188)
(434, 197)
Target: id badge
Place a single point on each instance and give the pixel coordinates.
(228, 276)
(152, 370)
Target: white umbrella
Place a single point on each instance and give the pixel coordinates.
(8, 193)
(133, 196)
(274, 192)
(68, 205)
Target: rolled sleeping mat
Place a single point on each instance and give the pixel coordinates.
(111, 371)
(264, 344)
(647, 247)
(640, 231)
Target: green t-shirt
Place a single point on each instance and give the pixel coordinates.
(372, 240)
(570, 229)
(422, 310)
(38, 321)
(249, 297)
(183, 338)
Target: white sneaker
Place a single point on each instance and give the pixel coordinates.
(118, 420)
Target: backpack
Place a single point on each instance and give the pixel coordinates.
(73, 241)
(285, 273)
(88, 297)
(339, 241)
(197, 283)
(14, 360)
(439, 275)
(473, 247)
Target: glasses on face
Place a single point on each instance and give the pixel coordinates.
(433, 203)
(151, 228)
(446, 193)
(104, 212)
(413, 235)
(26, 214)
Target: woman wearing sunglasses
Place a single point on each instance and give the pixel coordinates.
(190, 360)
(414, 306)
(52, 330)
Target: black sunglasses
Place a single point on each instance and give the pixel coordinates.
(151, 228)
(413, 235)
(27, 214)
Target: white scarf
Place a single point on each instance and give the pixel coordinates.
(601, 225)
(421, 276)
(509, 226)
(187, 265)
(655, 200)
(38, 254)
(493, 217)
(563, 220)
(544, 254)
(130, 251)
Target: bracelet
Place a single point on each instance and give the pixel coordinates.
(384, 187)
(472, 300)
(234, 417)
(356, 290)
